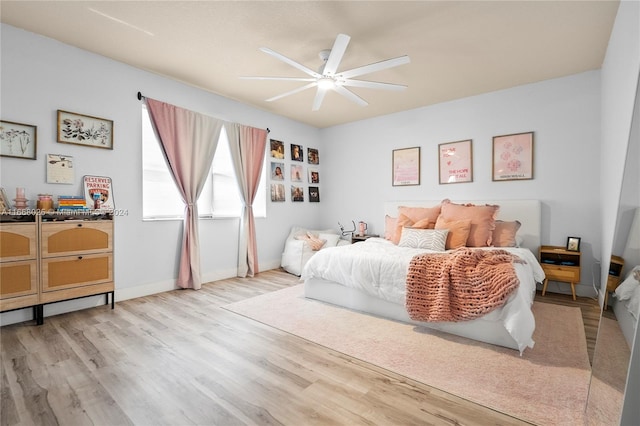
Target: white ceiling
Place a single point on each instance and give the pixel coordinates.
(457, 49)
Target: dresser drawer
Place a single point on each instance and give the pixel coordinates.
(71, 271)
(61, 239)
(562, 273)
(18, 241)
(18, 278)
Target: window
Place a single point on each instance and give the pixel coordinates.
(220, 196)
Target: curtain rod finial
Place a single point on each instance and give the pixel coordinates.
(139, 96)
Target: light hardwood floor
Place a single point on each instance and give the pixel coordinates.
(177, 358)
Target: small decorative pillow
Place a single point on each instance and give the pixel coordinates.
(505, 233)
(458, 232)
(430, 239)
(314, 242)
(331, 239)
(416, 214)
(401, 223)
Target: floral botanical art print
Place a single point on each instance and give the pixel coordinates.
(18, 140)
(84, 130)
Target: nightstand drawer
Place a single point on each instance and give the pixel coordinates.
(562, 273)
(612, 283)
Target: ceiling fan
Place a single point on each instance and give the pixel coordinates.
(328, 78)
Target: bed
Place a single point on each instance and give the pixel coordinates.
(370, 276)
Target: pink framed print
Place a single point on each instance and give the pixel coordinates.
(455, 162)
(406, 166)
(513, 157)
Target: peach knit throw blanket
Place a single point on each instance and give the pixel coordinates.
(461, 285)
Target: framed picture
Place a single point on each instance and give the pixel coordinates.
(277, 192)
(277, 149)
(297, 193)
(4, 201)
(513, 157)
(455, 162)
(314, 175)
(573, 244)
(296, 173)
(296, 153)
(85, 130)
(277, 171)
(18, 140)
(405, 165)
(314, 194)
(312, 156)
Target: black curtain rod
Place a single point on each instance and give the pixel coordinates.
(140, 96)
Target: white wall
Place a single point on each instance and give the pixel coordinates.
(564, 116)
(40, 75)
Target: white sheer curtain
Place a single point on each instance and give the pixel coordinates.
(188, 140)
(247, 145)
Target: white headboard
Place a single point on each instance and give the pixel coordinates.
(528, 212)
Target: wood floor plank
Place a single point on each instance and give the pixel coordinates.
(180, 358)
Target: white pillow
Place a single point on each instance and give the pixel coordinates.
(431, 239)
(331, 239)
(627, 287)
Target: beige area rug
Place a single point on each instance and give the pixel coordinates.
(548, 385)
(610, 365)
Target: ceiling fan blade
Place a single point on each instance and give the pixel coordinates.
(374, 85)
(317, 101)
(291, 92)
(280, 78)
(350, 95)
(337, 52)
(290, 62)
(377, 66)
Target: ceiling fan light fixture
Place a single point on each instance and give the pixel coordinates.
(326, 83)
(329, 78)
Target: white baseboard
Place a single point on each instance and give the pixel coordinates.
(126, 293)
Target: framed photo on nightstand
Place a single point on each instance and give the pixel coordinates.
(573, 244)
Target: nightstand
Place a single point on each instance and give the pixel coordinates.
(613, 279)
(357, 238)
(560, 264)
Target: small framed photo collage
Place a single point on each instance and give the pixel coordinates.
(291, 174)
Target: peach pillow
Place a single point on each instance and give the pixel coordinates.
(417, 214)
(505, 233)
(458, 232)
(314, 242)
(425, 223)
(401, 223)
(482, 218)
(389, 227)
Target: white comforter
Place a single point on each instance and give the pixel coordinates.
(378, 267)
